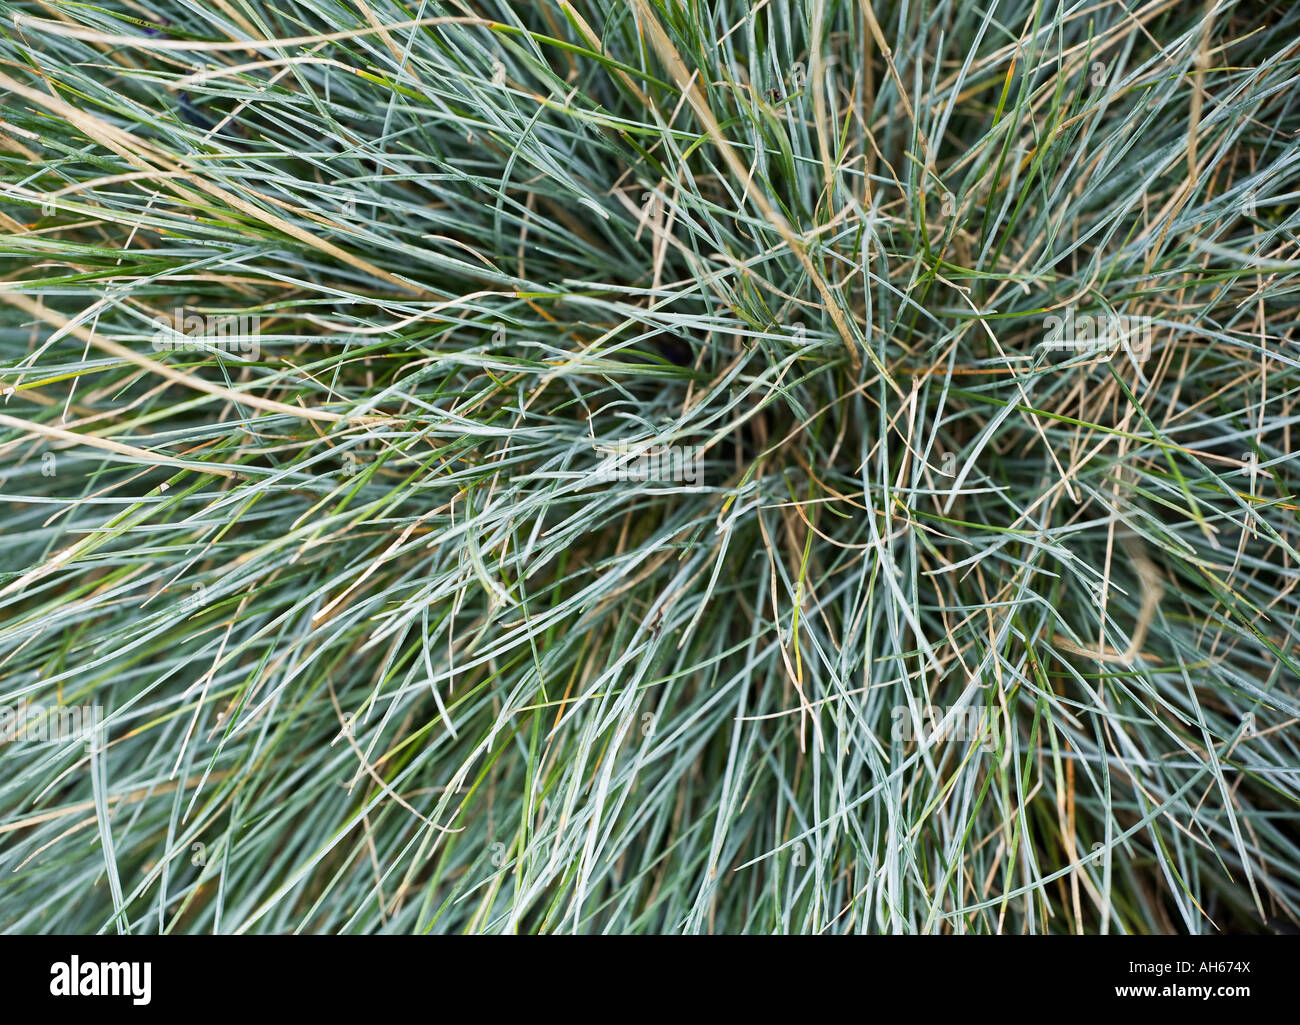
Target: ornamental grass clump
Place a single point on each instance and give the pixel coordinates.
(649, 466)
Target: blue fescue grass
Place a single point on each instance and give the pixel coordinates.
(650, 466)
